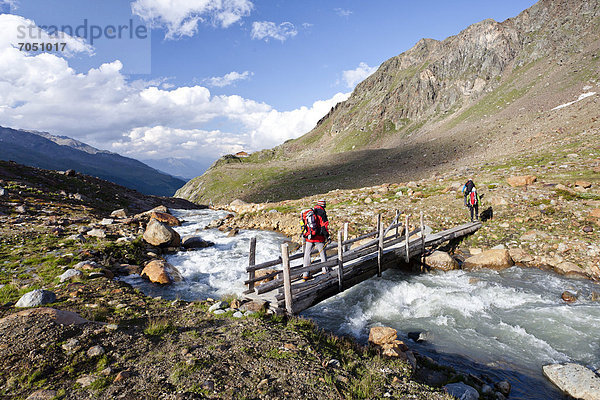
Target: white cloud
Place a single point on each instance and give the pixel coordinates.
(181, 17)
(342, 13)
(266, 30)
(353, 76)
(138, 118)
(228, 79)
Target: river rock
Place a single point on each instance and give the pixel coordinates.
(575, 380)
(461, 391)
(219, 305)
(70, 274)
(441, 260)
(520, 256)
(195, 242)
(160, 234)
(493, 259)
(36, 298)
(568, 297)
(567, 267)
(379, 335)
(165, 218)
(503, 387)
(523, 180)
(160, 271)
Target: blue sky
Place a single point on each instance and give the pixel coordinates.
(211, 76)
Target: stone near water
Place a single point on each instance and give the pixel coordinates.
(441, 260)
(160, 271)
(99, 233)
(95, 351)
(36, 298)
(567, 267)
(220, 305)
(568, 297)
(420, 337)
(254, 306)
(161, 235)
(503, 387)
(516, 181)
(218, 312)
(120, 213)
(195, 242)
(573, 379)
(238, 314)
(493, 259)
(379, 335)
(233, 232)
(520, 256)
(461, 391)
(70, 274)
(165, 218)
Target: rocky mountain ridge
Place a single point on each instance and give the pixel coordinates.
(438, 105)
(43, 150)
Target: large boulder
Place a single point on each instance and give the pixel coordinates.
(441, 260)
(575, 380)
(516, 181)
(379, 335)
(493, 259)
(165, 218)
(195, 242)
(161, 235)
(160, 271)
(36, 298)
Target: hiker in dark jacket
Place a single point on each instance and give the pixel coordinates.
(471, 198)
(316, 239)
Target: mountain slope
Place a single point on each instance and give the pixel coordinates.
(39, 151)
(439, 105)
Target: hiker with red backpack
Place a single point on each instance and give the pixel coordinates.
(315, 231)
(472, 199)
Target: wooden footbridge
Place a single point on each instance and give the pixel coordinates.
(381, 249)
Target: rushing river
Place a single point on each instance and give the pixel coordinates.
(502, 324)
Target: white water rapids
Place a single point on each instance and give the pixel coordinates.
(505, 324)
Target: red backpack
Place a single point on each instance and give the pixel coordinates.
(310, 224)
(473, 197)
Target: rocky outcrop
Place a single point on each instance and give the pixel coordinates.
(575, 380)
(461, 391)
(442, 261)
(161, 235)
(160, 271)
(493, 259)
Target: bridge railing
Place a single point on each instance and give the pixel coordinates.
(381, 240)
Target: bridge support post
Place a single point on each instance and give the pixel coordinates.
(252, 262)
(406, 238)
(381, 234)
(287, 280)
(347, 247)
(422, 240)
(397, 222)
(340, 262)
